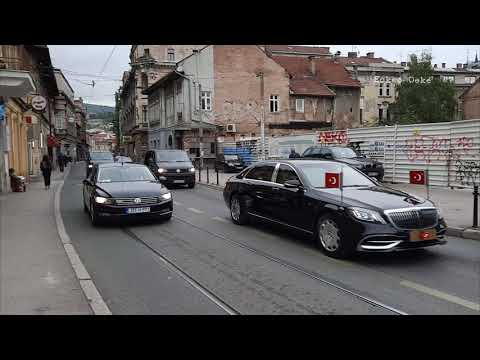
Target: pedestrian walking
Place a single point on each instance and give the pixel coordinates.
(46, 168)
(61, 161)
(293, 154)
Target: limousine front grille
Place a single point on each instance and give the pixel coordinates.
(412, 218)
(135, 201)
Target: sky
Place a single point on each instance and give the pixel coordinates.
(83, 64)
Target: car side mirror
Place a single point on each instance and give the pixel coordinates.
(292, 184)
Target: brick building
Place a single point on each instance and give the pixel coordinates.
(471, 102)
(222, 92)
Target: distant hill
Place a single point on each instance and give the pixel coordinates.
(99, 109)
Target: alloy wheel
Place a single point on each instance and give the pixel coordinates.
(329, 236)
(235, 209)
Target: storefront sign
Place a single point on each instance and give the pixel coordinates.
(39, 103)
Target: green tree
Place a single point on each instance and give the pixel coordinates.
(423, 98)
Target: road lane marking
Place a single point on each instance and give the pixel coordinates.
(441, 295)
(95, 300)
(195, 210)
(220, 219)
(177, 203)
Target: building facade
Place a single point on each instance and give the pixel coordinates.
(378, 78)
(221, 93)
(25, 127)
(149, 63)
(470, 100)
(81, 118)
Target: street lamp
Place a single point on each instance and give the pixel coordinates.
(262, 121)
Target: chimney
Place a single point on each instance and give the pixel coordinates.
(268, 50)
(370, 55)
(459, 65)
(403, 63)
(443, 65)
(311, 59)
(435, 66)
(465, 66)
(352, 54)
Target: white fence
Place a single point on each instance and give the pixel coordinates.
(449, 151)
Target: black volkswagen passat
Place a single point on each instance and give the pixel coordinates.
(121, 190)
(360, 216)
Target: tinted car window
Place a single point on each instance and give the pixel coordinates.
(286, 173)
(122, 174)
(315, 174)
(263, 172)
(172, 155)
(101, 156)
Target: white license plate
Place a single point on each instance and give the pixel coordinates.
(178, 181)
(373, 174)
(138, 210)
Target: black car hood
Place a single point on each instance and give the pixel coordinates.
(133, 189)
(377, 197)
(357, 161)
(174, 165)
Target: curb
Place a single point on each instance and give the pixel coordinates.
(95, 300)
(451, 231)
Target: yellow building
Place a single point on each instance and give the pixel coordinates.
(18, 152)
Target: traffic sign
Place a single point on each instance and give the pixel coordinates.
(39, 103)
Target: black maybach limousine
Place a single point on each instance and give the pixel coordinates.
(361, 216)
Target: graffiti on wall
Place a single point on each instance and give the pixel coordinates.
(430, 148)
(333, 137)
(467, 172)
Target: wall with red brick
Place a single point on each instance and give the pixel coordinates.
(471, 103)
(237, 89)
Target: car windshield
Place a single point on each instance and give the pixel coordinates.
(231, 157)
(172, 155)
(124, 174)
(101, 156)
(344, 153)
(315, 174)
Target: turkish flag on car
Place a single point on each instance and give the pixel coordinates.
(332, 180)
(417, 177)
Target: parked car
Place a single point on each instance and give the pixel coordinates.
(362, 216)
(98, 157)
(171, 167)
(347, 155)
(229, 163)
(118, 190)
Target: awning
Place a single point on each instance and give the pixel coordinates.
(15, 83)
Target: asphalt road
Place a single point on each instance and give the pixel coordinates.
(257, 269)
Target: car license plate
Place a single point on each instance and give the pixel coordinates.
(178, 181)
(422, 235)
(138, 210)
(373, 174)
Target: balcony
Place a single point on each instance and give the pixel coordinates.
(15, 83)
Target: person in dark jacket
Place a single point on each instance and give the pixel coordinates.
(293, 154)
(46, 168)
(61, 161)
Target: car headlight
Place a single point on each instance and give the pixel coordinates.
(102, 200)
(90, 165)
(367, 215)
(167, 196)
(192, 169)
(160, 170)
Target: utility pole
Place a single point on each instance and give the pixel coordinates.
(200, 129)
(262, 121)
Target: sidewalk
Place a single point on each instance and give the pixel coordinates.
(36, 276)
(456, 205)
